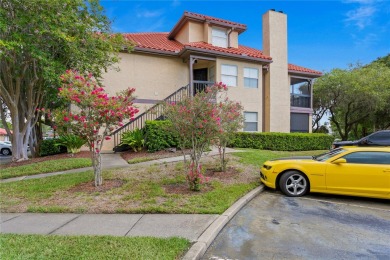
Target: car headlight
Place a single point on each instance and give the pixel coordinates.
(267, 167)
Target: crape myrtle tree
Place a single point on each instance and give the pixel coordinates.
(94, 115)
(197, 122)
(231, 120)
(39, 40)
(352, 97)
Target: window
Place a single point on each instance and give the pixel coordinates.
(299, 122)
(219, 37)
(300, 93)
(251, 77)
(229, 75)
(250, 124)
(368, 158)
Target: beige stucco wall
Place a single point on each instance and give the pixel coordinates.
(277, 111)
(250, 98)
(233, 38)
(153, 76)
(183, 35)
(196, 32)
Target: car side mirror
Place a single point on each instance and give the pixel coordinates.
(339, 161)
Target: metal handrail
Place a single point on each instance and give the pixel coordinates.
(152, 113)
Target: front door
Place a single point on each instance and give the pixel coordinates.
(200, 75)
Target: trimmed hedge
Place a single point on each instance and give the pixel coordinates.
(282, 141)
(157, 135)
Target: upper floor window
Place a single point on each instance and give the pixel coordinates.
(300, 93)
(219, 37)
(229, 75)
(251, 77)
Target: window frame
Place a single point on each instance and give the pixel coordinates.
(257, 78)
(229, 75)
(225, 38)
(257, 121)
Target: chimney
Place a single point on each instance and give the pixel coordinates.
(276, 81)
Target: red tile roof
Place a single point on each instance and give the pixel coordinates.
(298, 69)
(213, 19)
(241, 50)
(160, 42)
(155, 41)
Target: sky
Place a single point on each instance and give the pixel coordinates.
(322, 35)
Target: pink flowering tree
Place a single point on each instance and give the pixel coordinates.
(93, 114)
(196, 121)
(231, 120)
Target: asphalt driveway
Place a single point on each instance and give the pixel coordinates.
(273, 226)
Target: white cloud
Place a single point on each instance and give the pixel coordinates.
(367, 41)
(361, 17)
(359, 1)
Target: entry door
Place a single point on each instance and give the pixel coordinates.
(363, 173)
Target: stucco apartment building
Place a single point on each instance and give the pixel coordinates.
(200, 50)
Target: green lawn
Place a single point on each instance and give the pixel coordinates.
(90, 247)
(44, 167)
(142, 190)
(258, 157)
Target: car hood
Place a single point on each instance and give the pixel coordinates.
(344, 143)
(294, 158)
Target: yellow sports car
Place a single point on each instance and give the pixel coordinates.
(356, 171)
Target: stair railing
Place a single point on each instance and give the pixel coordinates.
(151, 113)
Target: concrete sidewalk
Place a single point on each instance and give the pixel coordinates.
(200, 229)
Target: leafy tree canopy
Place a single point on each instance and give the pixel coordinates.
(39, 40)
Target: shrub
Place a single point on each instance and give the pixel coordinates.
(134, 139)
(282, 141)
(49, 147)
(158, 137)
(72, 142)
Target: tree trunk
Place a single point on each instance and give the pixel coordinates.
(97, 167)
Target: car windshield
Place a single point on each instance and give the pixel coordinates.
(326, 156)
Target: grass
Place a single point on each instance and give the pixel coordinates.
(45, 167)
(90, 247)
(258, 157)
(143, 191)
(139, 160)
(150, 189)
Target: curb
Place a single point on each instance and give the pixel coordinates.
(198, 249)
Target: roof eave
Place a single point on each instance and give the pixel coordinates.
(223, 54)
(154, 51)
(189, 17)
(313, 75)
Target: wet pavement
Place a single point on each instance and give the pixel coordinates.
(273, 226)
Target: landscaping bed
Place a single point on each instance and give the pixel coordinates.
(159, 188)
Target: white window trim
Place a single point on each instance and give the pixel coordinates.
(236, 76)
(257, 86)
(225, 37)
(257, 122)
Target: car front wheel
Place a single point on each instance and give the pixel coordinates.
(294, 184)
(5, 151)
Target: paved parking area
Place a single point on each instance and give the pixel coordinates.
(273, 226)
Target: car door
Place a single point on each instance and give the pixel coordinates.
(362, 173)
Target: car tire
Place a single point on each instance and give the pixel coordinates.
(5, 151)
(294, 184)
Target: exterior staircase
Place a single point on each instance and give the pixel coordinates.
(153, 113)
